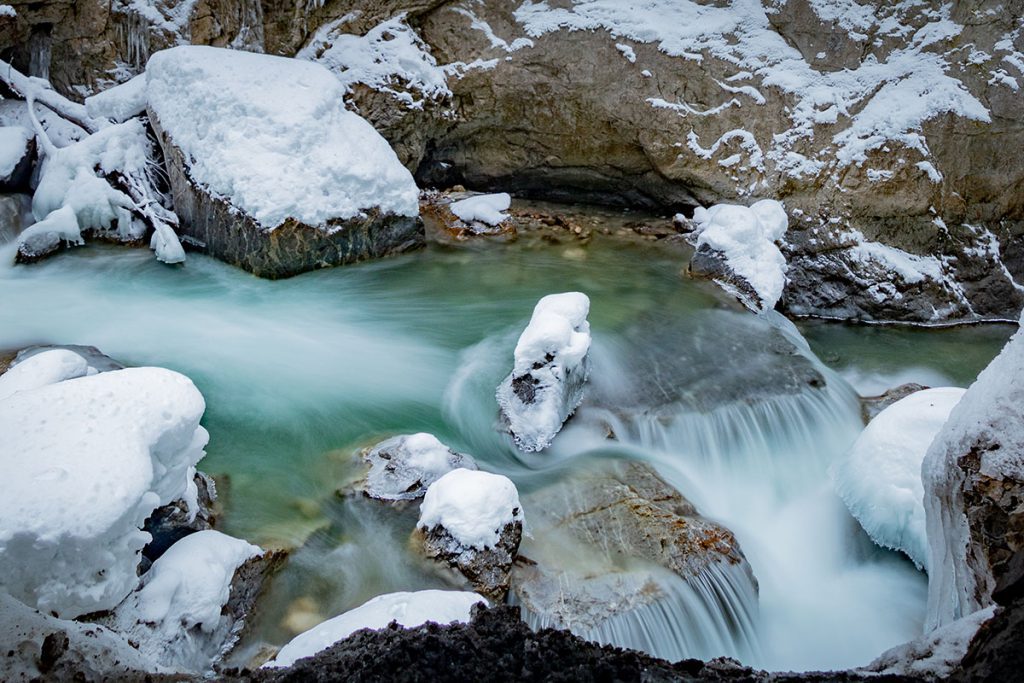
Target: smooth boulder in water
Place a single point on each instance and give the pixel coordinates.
(551, 367)
(619, 557)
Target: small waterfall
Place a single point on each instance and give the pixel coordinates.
(714, 614)
(39, 46)
(133, 31)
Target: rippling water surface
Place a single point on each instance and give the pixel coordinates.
(300, 373)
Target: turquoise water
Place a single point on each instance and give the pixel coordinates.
(298, 374)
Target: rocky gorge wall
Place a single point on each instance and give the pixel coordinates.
(884, 127)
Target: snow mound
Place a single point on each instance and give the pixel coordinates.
(472, 506)
(13, 145)
(408, 609)
(403, 467)
(551, 365)
(86, 461)
(486, 208)
(880, 477)
(935, 655)
(119, 103)
(271, 136)
(41, 369)
(987, 423)
(746, 238)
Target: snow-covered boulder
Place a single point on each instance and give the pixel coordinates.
(974, 484)
(551, 366)
(871, 406)
(736, 247)
(406, 609)
(879, 479)
(179, 617)
(402, 467)
(268, 169)
(17, 149)
(472, 521)
(86, 461)
(39, 370)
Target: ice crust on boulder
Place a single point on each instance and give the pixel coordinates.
(746, 238)
(408, 609)
(550, 369)
(879, 479)
(271, 135)
(403, 467)
(935, 655)
(86, 461)
(472, 506)
(986, 425)
(485, 208)
(41, 369)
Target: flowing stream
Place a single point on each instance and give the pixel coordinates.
(735, 410)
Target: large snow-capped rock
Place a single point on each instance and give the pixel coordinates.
(407, 609)
(551, 366)
(974, 484)
(268, 169)
(879, 479)
(86, 461)
(472, 521)
(736, 247)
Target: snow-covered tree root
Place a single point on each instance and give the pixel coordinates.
(106, 184)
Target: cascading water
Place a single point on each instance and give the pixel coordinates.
(300, 373)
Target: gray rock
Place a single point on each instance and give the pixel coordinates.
(488, 571)
(214, 226)
(712, 264)
(870, 406)
(402, 467)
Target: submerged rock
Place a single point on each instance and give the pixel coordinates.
(472, 522)
(403, 467)
(871, 406)
(612, 542)
(551, 367)
(312, 186)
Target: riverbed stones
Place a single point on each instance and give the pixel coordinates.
(403, 467)
(601, 539)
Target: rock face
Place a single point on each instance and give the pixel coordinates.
(403, 467)
(603, 542)
(170, 523)
(214, 226)
(488, 570)
(900, 143)
(974, 493)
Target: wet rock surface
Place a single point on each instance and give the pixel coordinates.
(214, 226)
(603, 540)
